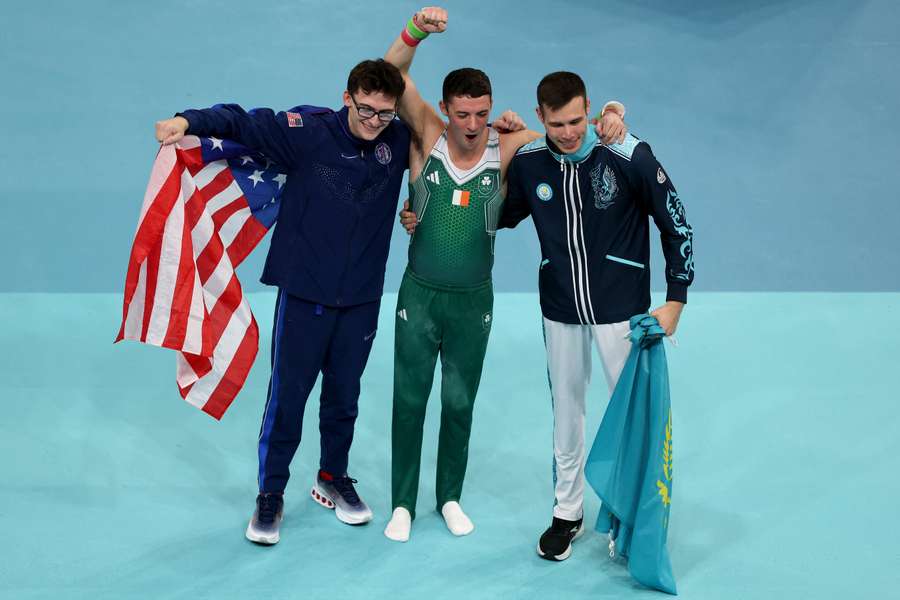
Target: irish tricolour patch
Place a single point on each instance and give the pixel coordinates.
(460, 198)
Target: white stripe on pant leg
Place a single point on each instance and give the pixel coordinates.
(569, 368)
(614, 347)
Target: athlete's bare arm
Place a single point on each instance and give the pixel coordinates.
(423, 120)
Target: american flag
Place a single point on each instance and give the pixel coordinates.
(208, 204)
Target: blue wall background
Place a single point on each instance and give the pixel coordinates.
(774, 118)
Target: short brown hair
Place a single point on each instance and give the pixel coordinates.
(376, 76)
(466, 82)
(559, 88)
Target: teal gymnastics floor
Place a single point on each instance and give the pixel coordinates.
(787, 453)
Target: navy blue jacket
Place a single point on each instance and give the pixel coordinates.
(331, 240)
(591, 214)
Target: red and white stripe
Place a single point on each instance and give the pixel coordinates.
(181, 291)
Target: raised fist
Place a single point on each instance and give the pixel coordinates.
(431, 19)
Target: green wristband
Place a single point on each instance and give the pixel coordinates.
(414, 31)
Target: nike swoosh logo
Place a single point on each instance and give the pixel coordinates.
(370, 336)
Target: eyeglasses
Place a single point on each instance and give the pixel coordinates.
(367, 112)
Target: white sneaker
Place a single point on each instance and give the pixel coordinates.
(266, 520)
(339, 494)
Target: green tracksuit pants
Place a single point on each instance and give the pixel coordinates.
(454, 323)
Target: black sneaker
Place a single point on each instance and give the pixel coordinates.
(339, 494)
(556, 542)
(266, 520)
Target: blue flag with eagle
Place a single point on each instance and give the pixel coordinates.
(630, 463)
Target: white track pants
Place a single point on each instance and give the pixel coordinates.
(569, 369)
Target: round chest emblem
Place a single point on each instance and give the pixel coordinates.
(544, 192)
(383, 153)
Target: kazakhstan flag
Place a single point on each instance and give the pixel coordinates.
(630, 463)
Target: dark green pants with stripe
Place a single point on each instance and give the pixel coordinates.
(454, 323)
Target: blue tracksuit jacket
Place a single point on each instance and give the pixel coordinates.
(591, 212)
(331, 240)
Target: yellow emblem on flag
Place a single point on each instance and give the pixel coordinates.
(460, 198)
(663, 486)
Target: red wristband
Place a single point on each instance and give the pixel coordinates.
(408, 39)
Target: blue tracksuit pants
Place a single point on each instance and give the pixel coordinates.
(308, 339)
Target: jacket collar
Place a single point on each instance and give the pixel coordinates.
(342, 118)
(587, 144)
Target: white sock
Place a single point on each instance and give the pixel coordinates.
(398, 527)
(457, 521)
